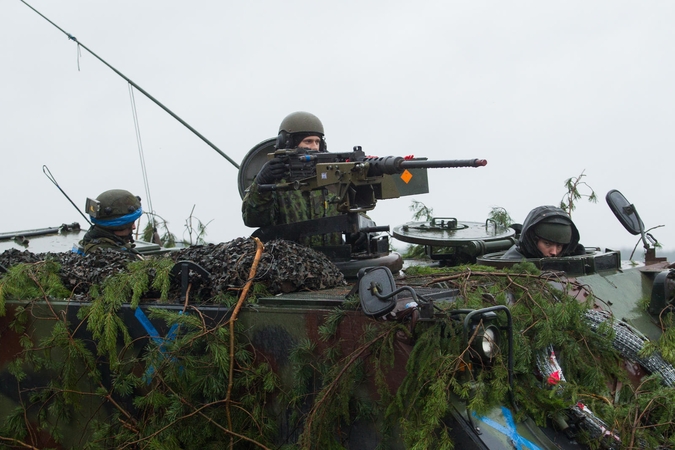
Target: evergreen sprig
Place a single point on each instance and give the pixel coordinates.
(127, 393)
(441, 371)
(27, 282)
(176, 402)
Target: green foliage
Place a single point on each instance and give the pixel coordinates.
(196, 390)
(342, 374)
(501, 217)
(575, 191)
(421, 212)
(666, 343)
(441, 371)
(120, 390)
(31, 282)
(415, 252)
(104, 321)
(151, 231)
(443, 271)
(195, 229)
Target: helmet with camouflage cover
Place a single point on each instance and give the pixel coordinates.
(115, 209)
(297, 126)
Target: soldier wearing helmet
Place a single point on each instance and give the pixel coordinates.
(301, 129)
(259, 209)
(113, 215)
(548, 231)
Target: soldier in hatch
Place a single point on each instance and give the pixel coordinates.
(548, 231)
(113, 214)
(260, 209)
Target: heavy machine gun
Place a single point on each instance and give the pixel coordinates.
(357, 180)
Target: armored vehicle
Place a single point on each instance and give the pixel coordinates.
(262, 343)
(253, 344)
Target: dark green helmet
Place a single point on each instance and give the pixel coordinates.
(554, 231)
(297, 126)
(115, 209)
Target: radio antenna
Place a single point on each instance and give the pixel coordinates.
(49, 175)
(153, 99)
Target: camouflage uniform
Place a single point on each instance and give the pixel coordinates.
(97, 239)
(261, 209)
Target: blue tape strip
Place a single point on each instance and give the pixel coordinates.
(509, 430)
(154, 335)
(171, 335)
(149, 327)
(124, 220)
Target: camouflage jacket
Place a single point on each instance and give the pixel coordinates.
(97, 238)
(261, 209)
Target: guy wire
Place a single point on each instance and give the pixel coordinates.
(139, 142)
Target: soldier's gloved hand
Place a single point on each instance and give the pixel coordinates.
(273, 171)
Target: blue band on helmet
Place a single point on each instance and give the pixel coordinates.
(119, 221)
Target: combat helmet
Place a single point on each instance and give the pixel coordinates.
(114, 209)
(554, 229)
(297, 126)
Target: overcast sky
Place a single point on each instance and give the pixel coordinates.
(543, 90)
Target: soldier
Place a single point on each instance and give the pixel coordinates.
(259, 209)
(113, 214)
(548, 231)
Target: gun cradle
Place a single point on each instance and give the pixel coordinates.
(350, 182)
(357, 191)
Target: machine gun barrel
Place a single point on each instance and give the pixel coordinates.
(391, 165)
(415, 164)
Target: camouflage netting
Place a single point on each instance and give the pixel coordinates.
(284, 267)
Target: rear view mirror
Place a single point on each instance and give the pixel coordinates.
(625, 212)
(377, 291)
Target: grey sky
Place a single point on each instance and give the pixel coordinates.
(541, 90)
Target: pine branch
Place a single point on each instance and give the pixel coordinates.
(195, 411)
(16, 442)
(327, 392)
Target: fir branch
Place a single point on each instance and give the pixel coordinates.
(16, 442)
(195, 411)
(327, 392)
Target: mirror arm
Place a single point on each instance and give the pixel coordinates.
(374, 289)
(642, 228)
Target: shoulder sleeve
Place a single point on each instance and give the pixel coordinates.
(257, 208)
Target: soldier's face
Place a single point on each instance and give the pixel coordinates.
(127, 231)
(311, 142)
(548, 248)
